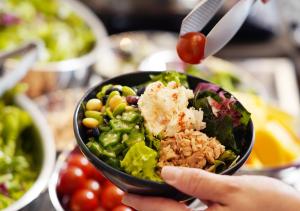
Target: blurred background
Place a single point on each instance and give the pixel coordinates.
(66, 46)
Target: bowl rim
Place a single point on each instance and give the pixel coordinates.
(49, 154)
(60, 163)
(106, 166)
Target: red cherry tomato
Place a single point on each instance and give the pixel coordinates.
(106, 183)
(97, 175)
(76, 151)
(100, 209)
(122, 208)
(71, 179)
(190, 47)
(94, 186)
(111, 197)
(84, 200)
(81, 162)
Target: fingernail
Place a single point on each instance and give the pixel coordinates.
(171, 174)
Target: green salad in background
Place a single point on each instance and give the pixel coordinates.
(64, 34)
(17, 172)
(140, 129)
(227, 80)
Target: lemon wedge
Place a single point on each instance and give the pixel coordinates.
(276, 141)
(275, 146)
(275, 113)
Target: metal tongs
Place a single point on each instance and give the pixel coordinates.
(29, 53)
(224, 30)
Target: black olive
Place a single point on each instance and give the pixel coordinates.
(106, 119)
(132, 100)
(94, 132)
(104, 99)
(89, 132)
(113, 89)
(140, 91)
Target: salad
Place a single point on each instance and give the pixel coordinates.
(226, 80)
(17, 173)
(140, 129)
(64, 34)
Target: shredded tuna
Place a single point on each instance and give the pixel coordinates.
(189, 148)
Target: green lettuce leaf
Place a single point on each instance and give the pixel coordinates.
(140, 161)
(169, 76)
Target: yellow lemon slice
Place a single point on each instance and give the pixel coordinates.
(275, 146)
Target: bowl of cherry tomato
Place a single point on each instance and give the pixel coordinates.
(76, 185)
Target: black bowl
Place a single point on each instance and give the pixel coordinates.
(123, 180)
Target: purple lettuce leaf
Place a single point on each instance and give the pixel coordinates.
(3, 189)
(7, 19)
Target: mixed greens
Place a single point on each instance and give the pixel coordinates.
(226, 80)
(64, 34)
(118, 135)
(17, 173)
(232, 120)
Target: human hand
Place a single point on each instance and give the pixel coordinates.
(220, 192)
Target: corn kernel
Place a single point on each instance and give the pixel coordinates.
(94, 105)
(115, 101)
(90, 122)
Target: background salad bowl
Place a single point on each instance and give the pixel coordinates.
(27, 151)
(48, 75)
(44, 153)
(130, 183)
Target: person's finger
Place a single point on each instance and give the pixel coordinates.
(142, 203)
(207, 202)
(215, 207)
(200, 183)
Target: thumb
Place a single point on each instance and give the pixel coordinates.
(200, 183)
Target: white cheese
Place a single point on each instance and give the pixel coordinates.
(165, 111)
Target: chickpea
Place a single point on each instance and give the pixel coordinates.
(115, 101)
(94, 105)
(90, 122)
